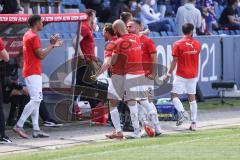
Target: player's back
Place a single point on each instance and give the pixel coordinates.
(129, 46)
(118, 67)
(187, 50)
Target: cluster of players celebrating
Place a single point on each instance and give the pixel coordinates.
(132, 59)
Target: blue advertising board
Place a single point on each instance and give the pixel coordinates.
(210, 67)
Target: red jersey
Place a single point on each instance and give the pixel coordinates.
(148, 48)
(31, 63)
(87, 44)
(1, 45)
(187, 51)
(118, 67)
(129, 46)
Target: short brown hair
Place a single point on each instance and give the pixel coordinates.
(108, 28)
(125, 16)
(187, 28)
(90, 12)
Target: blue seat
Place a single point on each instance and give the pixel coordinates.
(72, 35)
(70, 2)
(220, 32)
(170, 33)
(98, 34)
(154, 34)
(237, 32)
(81, 7)
(48, 28)
(226, 32)
(73, 26)
(66, 36)
(233, 32)
(42, 35)
(163, 33)
(218, 10)
(215, 33)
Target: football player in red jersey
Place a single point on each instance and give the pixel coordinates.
(149, 61)
(115, 90)
(129, 47)
(32, 70)
(186, 57)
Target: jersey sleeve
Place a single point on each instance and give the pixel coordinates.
(36, 43)
(116, 49)
(151, 47)
(175, 50)
(1, 45)
(109, 49)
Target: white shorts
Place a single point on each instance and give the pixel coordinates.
(134, 87)
(116, 87)
(34, 86)
(182, 85)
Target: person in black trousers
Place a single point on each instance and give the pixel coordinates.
(17, 95)
(4, 56)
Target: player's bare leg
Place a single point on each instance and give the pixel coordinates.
(193, 109)
(117, 134)
(183, 116)
(133, 107)
(152, 115)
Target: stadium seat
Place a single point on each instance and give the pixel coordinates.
(73, 26)
(220, 32)
(98, 34)
(81, 7)
(173, 23)
(42, 35)
(171, 34)
(69, 2)
(66, 36)
(163, 33)
(237, 32)
(226, 32)
(232, 32)
(154, 34)
(72, 35)
(218, 10)
(215, 33)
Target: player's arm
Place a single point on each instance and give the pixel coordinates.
(104, 67)
(54, 42)
(4, 55)
(42, 53)
(114, 58)
(172, 67)
(154, 65)
(232, 19)
(74, 43)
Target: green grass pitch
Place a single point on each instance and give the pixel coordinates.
(218, 144)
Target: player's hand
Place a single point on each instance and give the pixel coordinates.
(59, 43)
(54, 38)
(151, 76)
(94, 77)
(25, 91)
(56, 41)
(166, 78)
